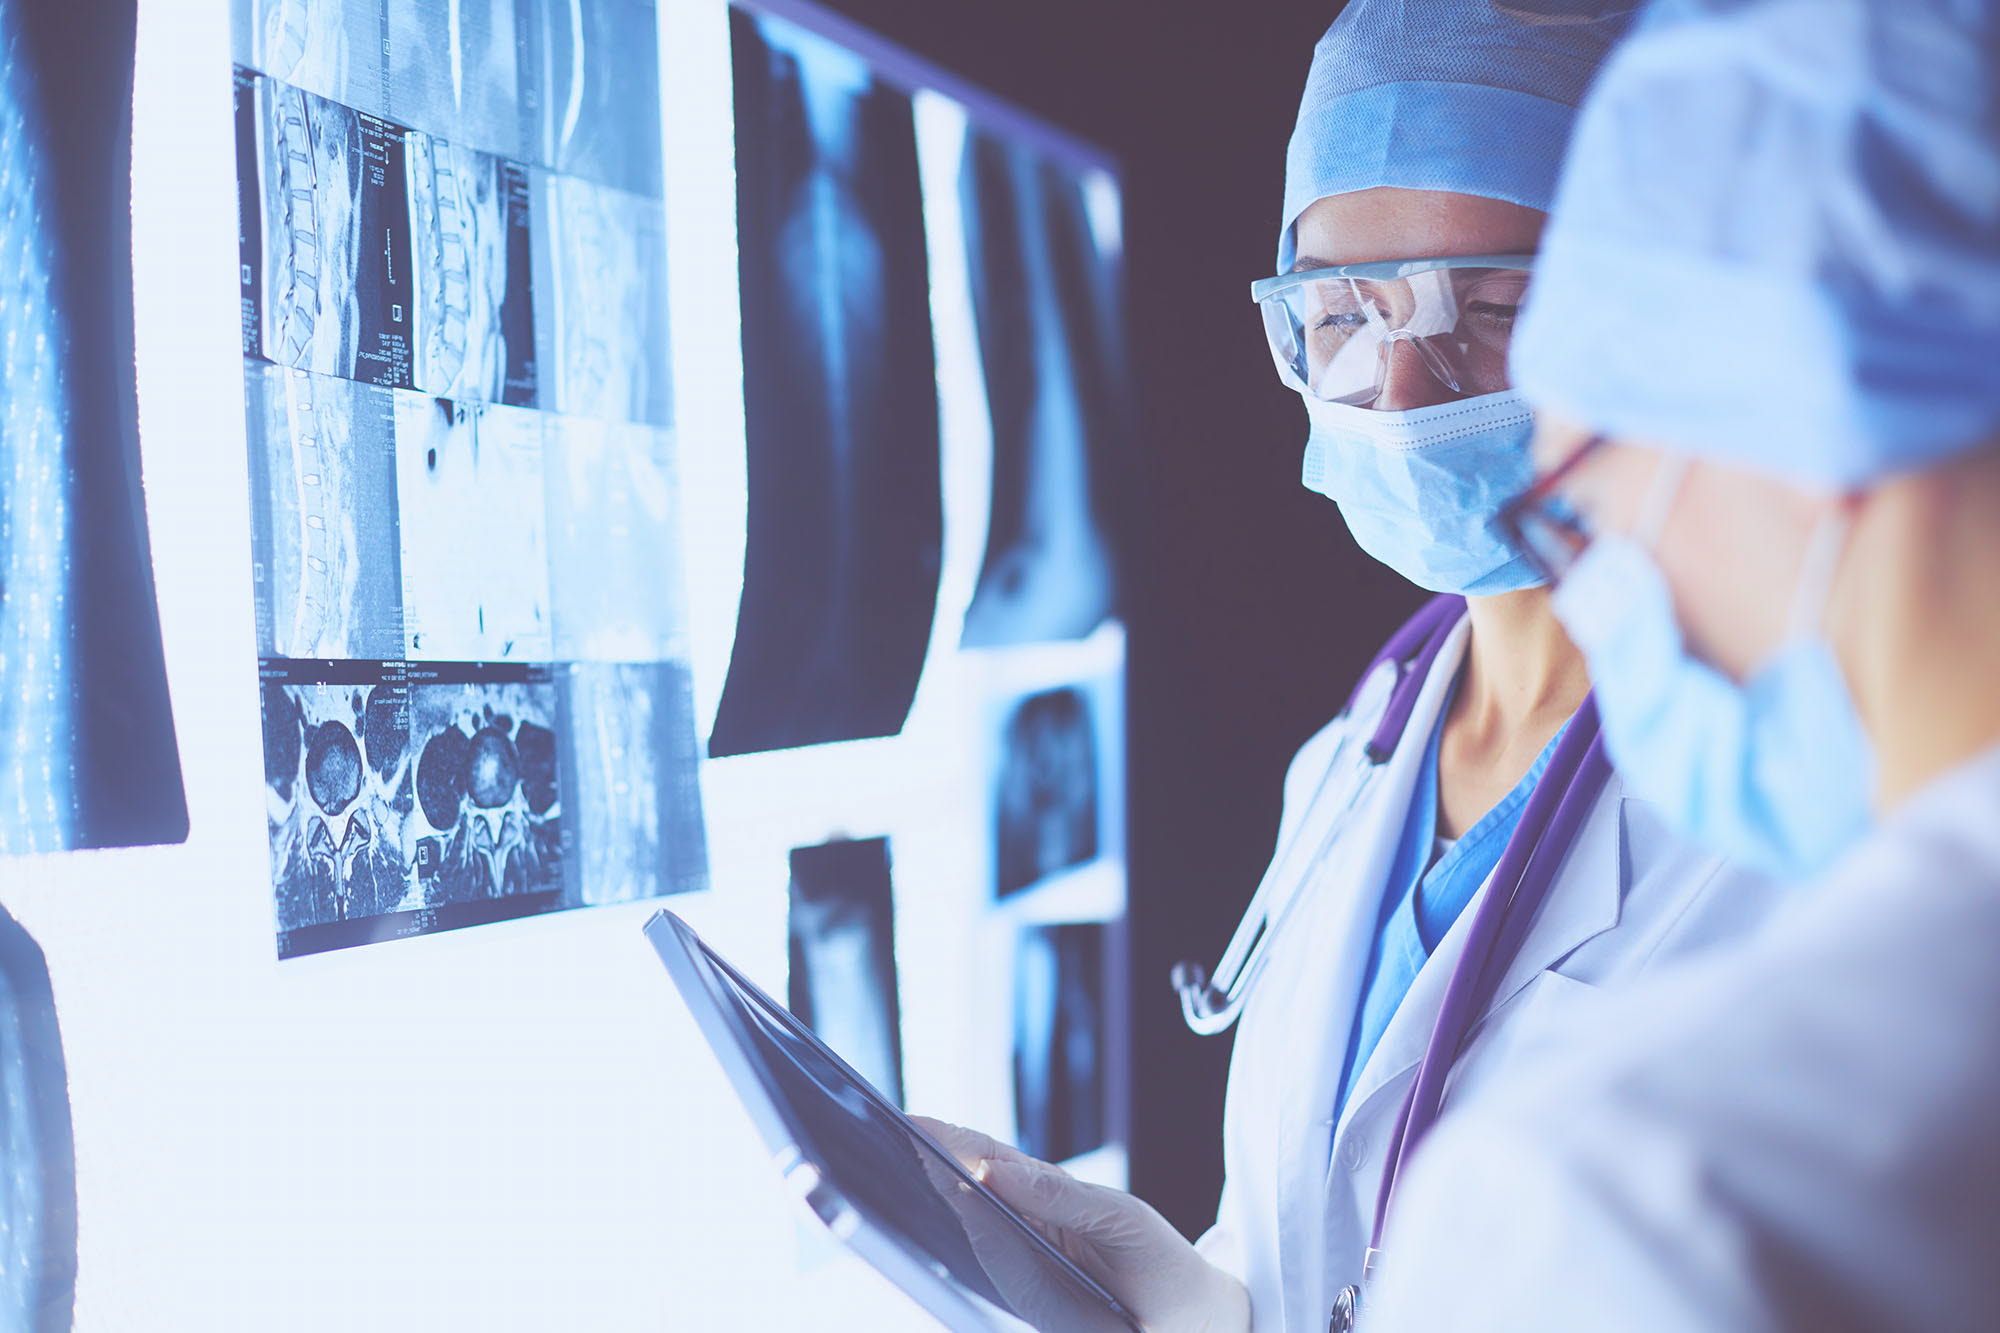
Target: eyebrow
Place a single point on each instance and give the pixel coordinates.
(1306, 262)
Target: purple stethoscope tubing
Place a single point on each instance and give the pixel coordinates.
(1562, 799)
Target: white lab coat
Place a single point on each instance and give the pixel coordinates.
(1800, 1132)
(1299, 1197)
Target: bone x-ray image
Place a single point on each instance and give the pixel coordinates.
(475, 325)
(453, 69)
(843, 956)
(330, 47)
(600, 280)
(87, 750)
(337, 770)
(585, 67)
(840, 395)
(38, 1188)
(615, 565)
(1046, 301)
(1061, 1041)
(631, 796)
(323, 472)
(1046, 794)
(474, 524)
(489, 813)
(331, 270)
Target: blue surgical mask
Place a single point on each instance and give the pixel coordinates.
(1775, 772)
(1420, 488)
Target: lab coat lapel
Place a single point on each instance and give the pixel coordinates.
(1583, 903)
(1585, 900)
(1337, 933)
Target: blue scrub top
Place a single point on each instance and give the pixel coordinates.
(1423, 897)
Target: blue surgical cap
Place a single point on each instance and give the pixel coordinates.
(1464, 96)
(1777, 241)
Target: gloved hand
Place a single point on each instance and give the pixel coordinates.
(1119, 1240)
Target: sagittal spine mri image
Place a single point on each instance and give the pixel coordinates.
(465, 530)
(88, 756)
(840, 573)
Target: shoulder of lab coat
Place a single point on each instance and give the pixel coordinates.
(1799, 1131)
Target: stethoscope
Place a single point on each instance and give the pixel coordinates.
(1555, 810)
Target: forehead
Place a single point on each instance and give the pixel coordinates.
(1388, 223)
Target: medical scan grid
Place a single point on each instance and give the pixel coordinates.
(473, 651)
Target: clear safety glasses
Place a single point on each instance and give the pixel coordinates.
(1335, 332)
(1541, 523)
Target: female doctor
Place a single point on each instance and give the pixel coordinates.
(1768, 318)
(1425, 155)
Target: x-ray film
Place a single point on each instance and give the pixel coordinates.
(454, 70)
(843, 956)
(1061, 1041)
(330, 47)
(1046, 794)
(631, 796)
(474, 525)
(475, 322)
(87, 750)
(337, 767)
(323, 475)
(601, 301)
(840, 395)
(38, 1188)
(471, 625)
(586, 69)
(333, 266)
(616, 570)
(1046, 302)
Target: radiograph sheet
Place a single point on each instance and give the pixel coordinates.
(473, 518)
(88, 756)
(1061, 1041)
(475, 323)
(333, 270)
(471, 625)
(1046, 798)
(843, 956)
(323, 472)
(840, 395)
(616, 571)
(1046, 301)
(633, 802)
(601, 301)
(38, 1188)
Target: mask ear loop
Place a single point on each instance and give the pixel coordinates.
(1816, 574)
(1659, 501)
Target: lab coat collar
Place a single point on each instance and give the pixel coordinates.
(1583, 903)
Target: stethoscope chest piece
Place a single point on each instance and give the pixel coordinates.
(1346, 1309)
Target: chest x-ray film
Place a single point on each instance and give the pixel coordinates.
(1043, 248)
(471, 627)
(843, 956)
(1062, 1051)
(840, 574)
(88, 756)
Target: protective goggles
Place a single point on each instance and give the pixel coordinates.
(1544, 526)
(1334, 331)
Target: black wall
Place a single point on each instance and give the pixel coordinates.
(1249, 608)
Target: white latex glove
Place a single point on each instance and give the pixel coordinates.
(1119, 1240)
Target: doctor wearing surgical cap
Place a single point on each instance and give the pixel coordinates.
(1426, 153)
(1766, 334)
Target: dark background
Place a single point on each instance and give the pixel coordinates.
(1250, 611)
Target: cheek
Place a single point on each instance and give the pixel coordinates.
(1731, 556)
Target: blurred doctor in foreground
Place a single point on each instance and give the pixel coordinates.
(1457, 869)
(1766, 334)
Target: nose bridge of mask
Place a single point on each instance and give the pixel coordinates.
(1336, 424)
